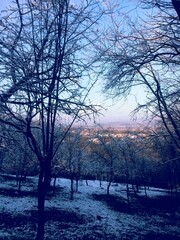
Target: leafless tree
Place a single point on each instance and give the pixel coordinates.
(167, 155)
(105, 155)
(45, 72)
(146, 54)
(73, 151)
(18, 157)
(163, 5)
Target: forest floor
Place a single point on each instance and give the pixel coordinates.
(91, 214)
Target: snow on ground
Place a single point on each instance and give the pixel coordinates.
(100, 221)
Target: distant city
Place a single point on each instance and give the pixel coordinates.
(114, 125)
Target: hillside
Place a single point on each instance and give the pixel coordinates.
(91, 215)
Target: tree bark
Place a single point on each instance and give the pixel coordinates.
(72, 187)
(77, 183)
(43, 186)
(128, 192)
(54, 184)
(109, 183)
(108, 187)
(41, 213)
(41, 203)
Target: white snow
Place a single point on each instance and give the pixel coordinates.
(99, 217)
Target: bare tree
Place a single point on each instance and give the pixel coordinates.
(105, 155)
(146, 54)
(73, 148)
(45, 72)
(163, 5)
(18, 157)
(167, 155)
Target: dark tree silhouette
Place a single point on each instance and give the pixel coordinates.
(176, 4)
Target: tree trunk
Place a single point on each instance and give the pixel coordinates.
(19, 185)
(109, 183)
(19, 179)
(77, 184)
(41, 213)
(72, 188)
(41, 202)
(43, 186)
(54, 184)
(108, 187)
(100, 181)
(145, 190)
(128, 192)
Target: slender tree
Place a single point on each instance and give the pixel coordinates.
(72, 149)
(104, 153)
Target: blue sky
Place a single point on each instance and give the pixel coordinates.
(116, 110)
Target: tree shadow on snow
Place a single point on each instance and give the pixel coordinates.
(159, 205)
(159, 236)
(162, 205)
(10, 222)
(114, 202)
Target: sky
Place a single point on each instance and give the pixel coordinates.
(118, 110)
